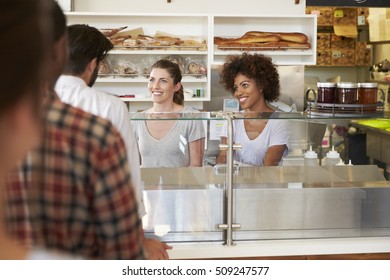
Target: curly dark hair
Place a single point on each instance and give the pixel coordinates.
(254, 66)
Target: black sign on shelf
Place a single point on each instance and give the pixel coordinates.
(349, 3)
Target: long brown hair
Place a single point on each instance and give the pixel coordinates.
(175, 73)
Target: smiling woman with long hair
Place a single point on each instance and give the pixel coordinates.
(169, 142)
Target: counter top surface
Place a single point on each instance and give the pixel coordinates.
(270, 248)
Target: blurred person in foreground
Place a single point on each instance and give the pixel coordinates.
(20, 98)
(77, 183)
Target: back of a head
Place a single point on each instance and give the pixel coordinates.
(24, 35)
(58, 44)
(85, 43)
(59, 21)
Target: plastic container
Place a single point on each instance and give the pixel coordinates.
(311, 158)
(332, 158)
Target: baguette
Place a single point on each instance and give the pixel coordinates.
(284, 36)
(280, 45)
(250, 39)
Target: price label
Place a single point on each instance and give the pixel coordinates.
(361, 20)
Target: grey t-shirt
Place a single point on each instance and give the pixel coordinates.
(171, 150)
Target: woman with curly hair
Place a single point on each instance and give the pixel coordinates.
(254, 81)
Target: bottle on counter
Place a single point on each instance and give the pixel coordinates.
(311, 158)
(332, 158)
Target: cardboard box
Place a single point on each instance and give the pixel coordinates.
(323, 57)
(340, 42)
(344, 16)
(374, 30)
(342, 57)
(387, 29)
(324, 15)
(363, 54)
(323, 41)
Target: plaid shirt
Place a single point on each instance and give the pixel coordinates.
(78, 190)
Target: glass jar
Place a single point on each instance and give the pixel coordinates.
(326, 92)
(347, 93)
(367, 93)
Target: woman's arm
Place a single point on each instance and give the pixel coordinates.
(221, 158)
(274, 155)
(196, 152)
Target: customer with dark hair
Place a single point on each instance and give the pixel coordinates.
(169, 143)
(254, 81)
(87, 48)
(77, 183)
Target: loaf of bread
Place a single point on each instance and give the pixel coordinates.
(284, 36)
(264, 46)
(251, 39)
(265, 41)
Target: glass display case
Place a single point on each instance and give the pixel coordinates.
(234, 203)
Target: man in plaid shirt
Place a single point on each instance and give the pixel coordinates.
(76, 184)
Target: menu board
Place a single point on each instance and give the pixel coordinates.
(349, 3)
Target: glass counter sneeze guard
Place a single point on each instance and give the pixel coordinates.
(232, 203)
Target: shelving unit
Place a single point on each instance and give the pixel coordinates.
(205, 26)
(236, 26)
(183, 25)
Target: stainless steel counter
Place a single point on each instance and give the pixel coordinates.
(186, 204)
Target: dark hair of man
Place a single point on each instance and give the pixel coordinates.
(257, 67)
(174, 71)
(23, 41)
(85, 43)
